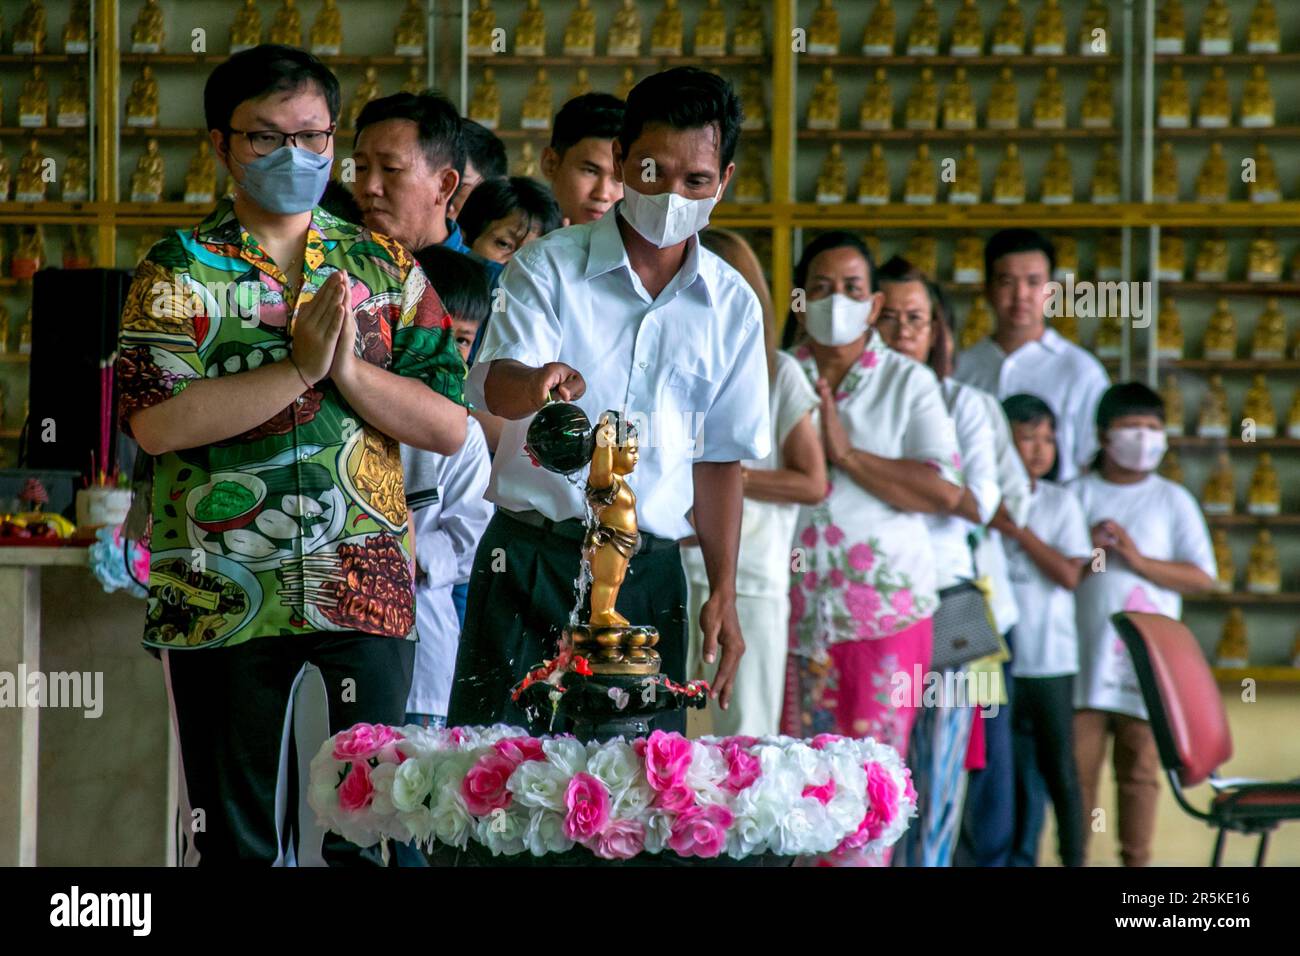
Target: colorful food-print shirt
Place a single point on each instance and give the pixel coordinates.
(300, 524)
(863, 568)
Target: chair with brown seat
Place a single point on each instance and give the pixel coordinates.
(1192, 735)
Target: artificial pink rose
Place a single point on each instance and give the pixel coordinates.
(823, 793)
(457, 736)
(862, 601)
(667, 757)
(861, 557)
(364, 741)
(742, 767)
(620, 840)
(821, 740)
(587, 804)
(357, 790)
(901, 601)
(882, 794)
(675, 799)
(740, 740)
(484, 786)
(519, 749)
(809, 536)
(909, 791)
(834, 535)
(838, 579)
(701, 831)
(810, 580)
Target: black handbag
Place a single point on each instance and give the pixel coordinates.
(963, 631)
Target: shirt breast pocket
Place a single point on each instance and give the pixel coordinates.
(683, 405)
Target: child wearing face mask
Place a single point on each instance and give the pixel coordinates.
(1156, 548)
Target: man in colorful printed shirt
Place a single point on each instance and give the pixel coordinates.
(271, 360)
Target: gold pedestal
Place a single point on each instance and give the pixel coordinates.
(616, 650)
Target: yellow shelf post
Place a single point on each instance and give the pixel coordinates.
(107, 94)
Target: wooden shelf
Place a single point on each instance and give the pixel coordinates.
(14, 358)
(195, 59)
(1266, 521)
(1260, 444)
(44, 132)
(77, 59)
(1245, 597)
(1227, 59)
(1229, 132)
(663, 62)
(10, 433)
(983, 60)
(930, 135)
(945, 215)
(1231, 365)
(1231, 287)
(1273, 673)
(513, 134)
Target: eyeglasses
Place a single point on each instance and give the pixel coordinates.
(264, 142)
(916, 322)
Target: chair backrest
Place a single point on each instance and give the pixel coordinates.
(1182, 698)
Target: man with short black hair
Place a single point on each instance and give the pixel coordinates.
(485, 158)
(579, 163)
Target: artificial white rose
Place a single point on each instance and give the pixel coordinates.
(755, 819)
(411, 784)
(381, 778)
(545, 833)
(502, 832)
(418, 823)
(616, 765)
(567, 753)
(539, 783)
(450, 819)
(708, 767)
(794, 830)
(632, 802)
(658, 828)
(490, 735)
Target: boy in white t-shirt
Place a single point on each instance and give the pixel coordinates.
(1157, 549)
(1046, 559)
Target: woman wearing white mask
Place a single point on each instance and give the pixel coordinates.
(864, 587)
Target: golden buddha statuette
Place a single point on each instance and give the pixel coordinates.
(1067, 257)
(581, 84)
(526, 164)
(485, 104)
(6, 179)
(753, 102)
(824, 107)
(1216, 29)
(1212, 260)
(1067, 327)
(482, 36)
(1110, 257)
(627, 81)
(1264, 571)
(367, 90)
(76, 175)
(1109, 343)
(1258, 109)
(1172, 397)
(1171, 27)
(1263, 186)
(1099, 101)
(1264, 261)
(580, 31)
(1004, 102)
(29, 31)
(530, 34)
(538, 103)
(967, 187)
(1212, 183)
(711, 30)
(922, 110)
(751, 183)
(1214, 111)
(1049, 30)
(978, 325)
(666, 31)
(1106, 176)
(748, 39)
(1269, 339)
(923, 252)
(327, 31)
(1094, 29)
(286, 28)
(921, 187)
(967, 31)
(147, 34)
(923, 32)
(142, 104)
(824, 30)
(1173, 104)
(246, 28)
(1009, 181)
(959, 102)
(1223, 562)
(1009, 30)
(1259, 410)
(147, 181)
(1058, 178)
(34, 100)
(76, 32)
(29, 252)
(878, 37)
(968, 261)
(1171, 469)
(417, 81)
(625, 31)
(832, 181)
(1169, 340)
(201, 177)
(873, 184)
(79, 250)
(1214, 419)
(72, 101)
(877, 111)
(1049, 104)
(1165, 179)
(1263, 35)
(409, 36)
(1220, 496)
(1293, 416)
(1233, 649)
(31, 179)
(1221, 335)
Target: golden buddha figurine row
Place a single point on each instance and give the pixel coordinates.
(1215, 32)
(1263, 263)
(1214, 108)
(34, 100)
(1216, 177)
(1263, 499)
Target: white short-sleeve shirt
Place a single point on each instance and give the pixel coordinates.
(687, 367)
(1165, 523)
(1047, 638)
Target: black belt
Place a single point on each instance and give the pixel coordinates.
(575, 529)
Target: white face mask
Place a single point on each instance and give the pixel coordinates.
(1137, 449)
(837, 319)
(667, 218)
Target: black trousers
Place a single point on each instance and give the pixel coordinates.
(521, 592)
(229, 706)
(1043, 741)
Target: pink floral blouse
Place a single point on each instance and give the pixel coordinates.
(864, 569)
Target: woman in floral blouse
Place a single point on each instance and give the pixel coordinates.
(864, 588)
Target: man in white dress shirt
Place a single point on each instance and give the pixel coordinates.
(1025, 355)
(628, 313)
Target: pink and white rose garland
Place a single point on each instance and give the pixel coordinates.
(709, 797)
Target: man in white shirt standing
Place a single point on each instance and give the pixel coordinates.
(628, 313)
(1025, 355)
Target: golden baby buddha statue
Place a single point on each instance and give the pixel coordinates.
(1105, 175)
(1058, 178)
(1269, 339)
(1049, 30)
(751, 184)
(967, 31)
(538, 103)
(1172, 397)
(1223, 561)
(1264, 571)
(877, 111)
(367, 90)
(485, 104)
(142, 104)
(1220, 496)
(201, 177)
(923, 32)
(625, 31)
(580, 31)
(1165, 178)
(1212, 182)
(711, 31)
(34, 100)
(921, 188)
(1067, 257)
(832, 181)
(416, 80)
(482, 29)
(1258, 108)
(922, 110)
(1214, 420)
(1212, 260)
(1099, 101)
(286, 28)
(1171, 27)
(73, 99)
(824, 30)
(327, 31)
(30, 181)
(147, 34)
(873, 184)
(147, 181)
(968, 261)
(76, 175)
(1221, 335)
(246, 28)
(1214, 111)
(1004, 102)
(1174, 105)
(1216, 29)
(748, 37)
(666, 31)
(581, 84)
(76, 32)
(978, 325)
(627, 81)
(1009, 181)
(824, 107)
(526, 164)
(1263, 35)
(530, 33)
(1169, 340)
(1258, 408)
(29, 32)
(409, 37)
(1049, 104)
(1009, 30)
(1264, 186)
(1233, 650)
(1094, 29)
(753, 102)
(967, 186)
(1263, 259)
(878, 37)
